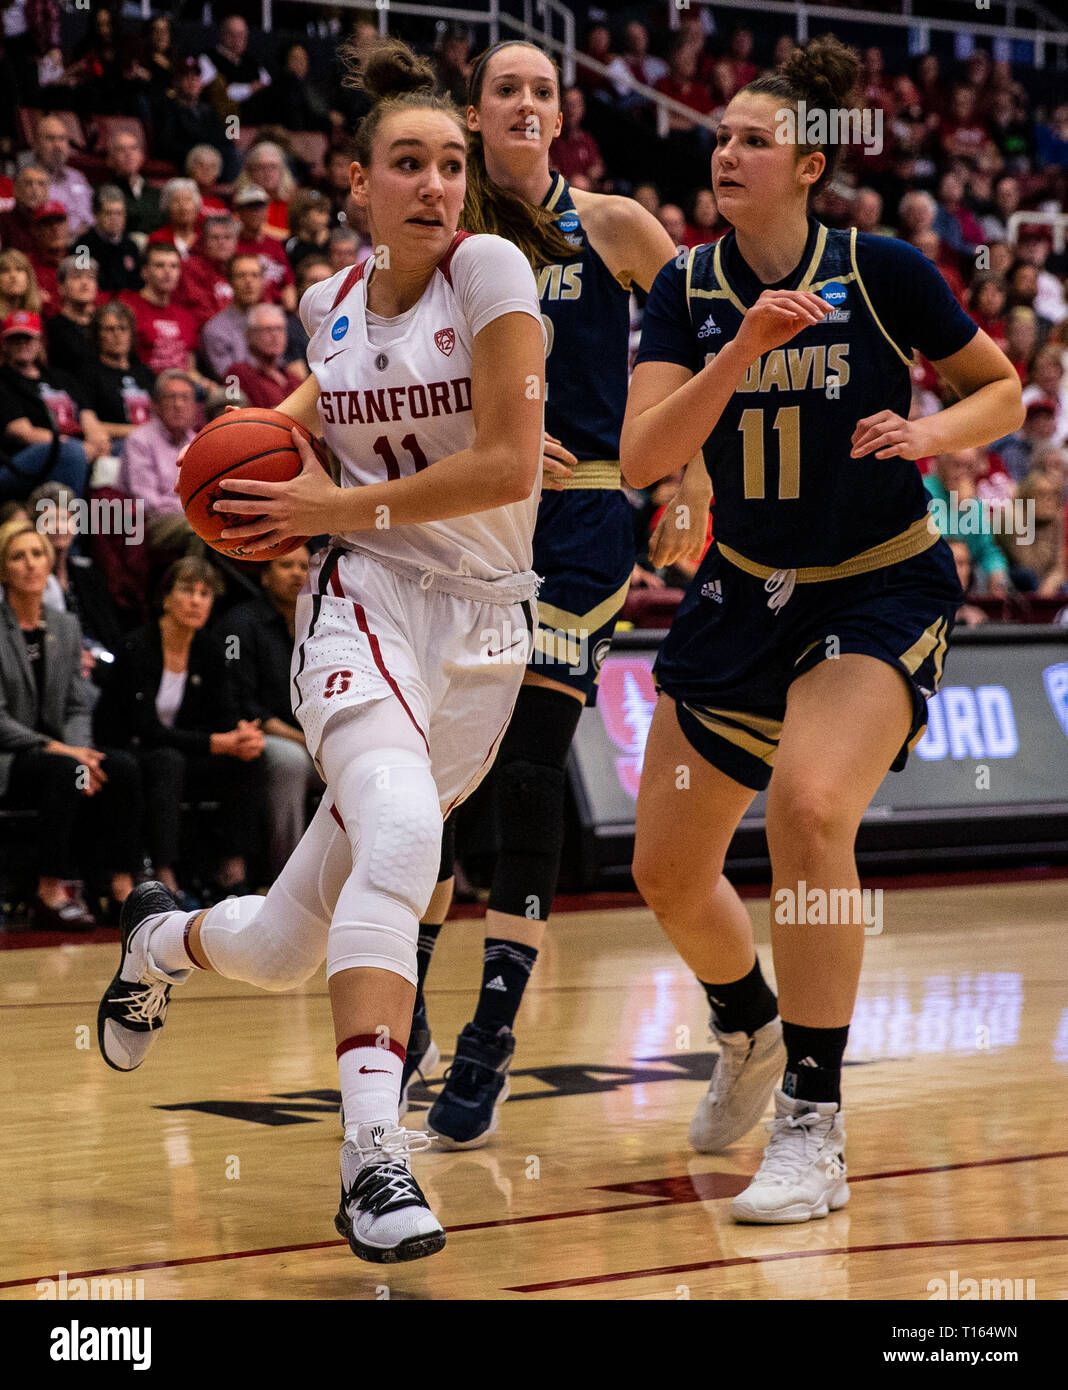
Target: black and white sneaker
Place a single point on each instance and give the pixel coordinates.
(134, 1006)
(383, 1214)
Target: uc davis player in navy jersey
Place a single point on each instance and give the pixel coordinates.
(427, 385)
(587, 249)
(815, 630)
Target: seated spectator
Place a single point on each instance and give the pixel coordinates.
(69, 346)
(648, 196)
(1048, 381)
(66, 186)
(44, 421)
(309, 221)
(452, 63)
(599, 47)
(995, 223)
(960, 515)
(184, 119)
(151, 68)
(985, 300)
(673, 220)
(1037, 562)
(1051, 139)
(169, 698)
(263, 630)
(126, 158)
(963, 133)
(642, 65)
(681, 83)
(97, 72)
(204, 288)
(51, 232)
(955, 223)
(86, 797)
(229, 68)
(1011, 131)
(118, 384)
(312, 270)
(705, 223)
(970, 614)
(75, 584)
(179, 204)
(18, 284)
(337, 182)
(296, 102)
(262, 377)
(574, 151)
(223, 339)
(1021, 338)
(345, 249)
(930, 244)
(150, 458)
(1023, 294)
(1017, 450)
(204, 165)
(31, 193)
(868, 213)
(736, 69)
(1049, 299)
(250, 207)
(166, 333)
(266, 168)
(116, 255)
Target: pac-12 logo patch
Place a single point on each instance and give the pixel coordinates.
(340, 328)
(1056, 681)
(445, 339)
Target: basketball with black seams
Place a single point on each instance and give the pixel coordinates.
(251, 443)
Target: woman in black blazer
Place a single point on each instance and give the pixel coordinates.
(169, 698)
(87, 798)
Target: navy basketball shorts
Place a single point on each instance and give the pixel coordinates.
(584, 551)
(729, 658)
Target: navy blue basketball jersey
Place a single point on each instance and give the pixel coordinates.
(787, 493)
(587, 320)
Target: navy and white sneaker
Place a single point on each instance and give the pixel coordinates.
(422, 1056)
(383, 1214)
(465, 1114)
(134, 1006)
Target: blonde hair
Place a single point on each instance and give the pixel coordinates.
(9, 534)
(31, 300)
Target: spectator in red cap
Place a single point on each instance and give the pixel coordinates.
(31, 193)
(263, 377)
(44, 421)
(51, 231)
(204, 288)
(166, 333)
(250, 206)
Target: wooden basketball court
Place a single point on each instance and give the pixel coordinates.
(212, 1172)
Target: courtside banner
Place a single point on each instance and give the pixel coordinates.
(993, 762)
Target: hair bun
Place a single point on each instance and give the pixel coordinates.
(392, 69)
(826, 72)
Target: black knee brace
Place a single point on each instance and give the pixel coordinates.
(448, 848)
(530, 787)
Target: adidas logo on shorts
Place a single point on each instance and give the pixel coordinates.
(709, 328)
(712, 589)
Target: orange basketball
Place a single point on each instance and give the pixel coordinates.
(240, 444)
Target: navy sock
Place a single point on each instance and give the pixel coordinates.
(744, 1005)
(506, 967)
(814, 1062)
(428, 936)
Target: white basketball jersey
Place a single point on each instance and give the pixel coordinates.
(395, 396)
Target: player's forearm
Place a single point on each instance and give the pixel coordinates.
(992, 412)
(302, 405)
(474, 480)
(665, 437)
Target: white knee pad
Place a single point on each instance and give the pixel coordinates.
(388, 801)
(275, 943)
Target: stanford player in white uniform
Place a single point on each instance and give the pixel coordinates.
(427, 381)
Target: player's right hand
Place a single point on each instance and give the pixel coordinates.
(776, 317)
(558, 464)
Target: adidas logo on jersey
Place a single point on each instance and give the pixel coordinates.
(712, 589)
(709, 328)
(498, 983)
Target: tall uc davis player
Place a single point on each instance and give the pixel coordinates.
(815, 630)
(587, 249)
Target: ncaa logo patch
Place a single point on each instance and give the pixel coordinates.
(1055, 679)
(569, 224)
(340, 328)
(445, 338)
(835, 294)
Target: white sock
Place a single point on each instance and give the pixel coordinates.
(166, 941)
(370, 1086)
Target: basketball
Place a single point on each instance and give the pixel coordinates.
(248, 443)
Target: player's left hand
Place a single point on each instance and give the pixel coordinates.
(305, 506)
(558, 463)
(888, 436)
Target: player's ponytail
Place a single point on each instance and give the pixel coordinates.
(490, 208)
(395, 78)
(824, 75)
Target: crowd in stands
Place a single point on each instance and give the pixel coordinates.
(169, 195)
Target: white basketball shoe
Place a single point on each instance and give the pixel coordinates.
(803, 1172)
(744, 1077)
(383, 1213)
